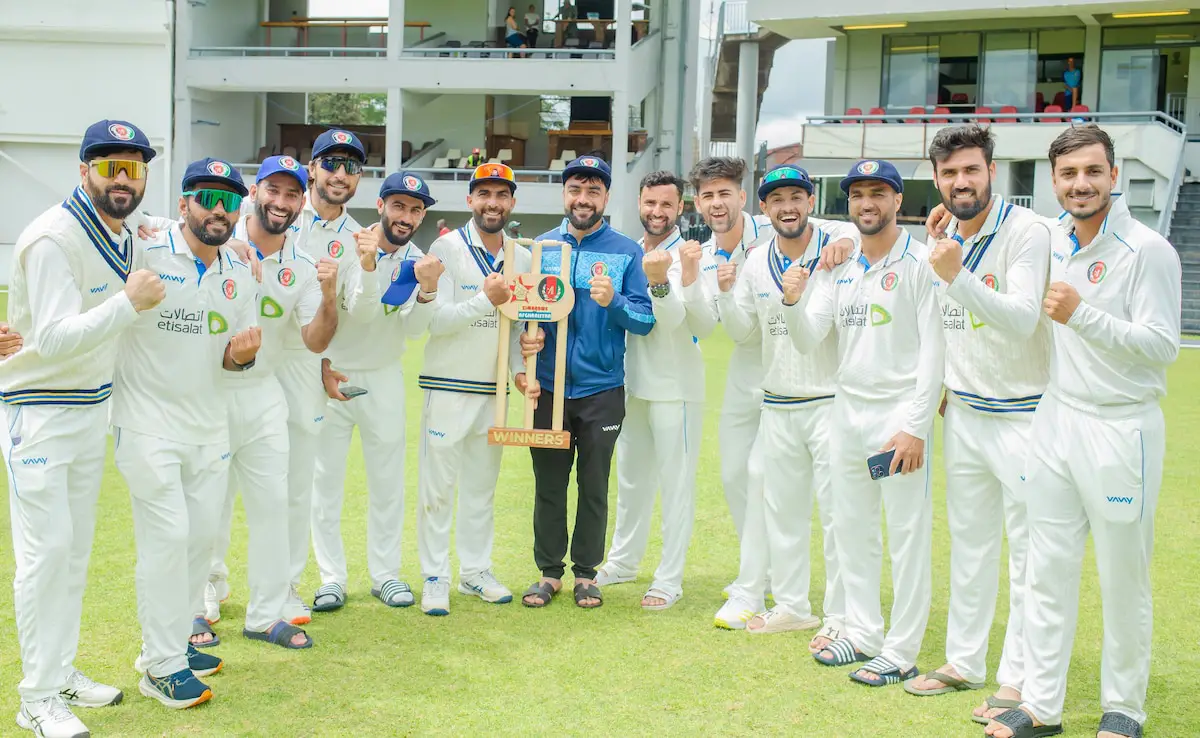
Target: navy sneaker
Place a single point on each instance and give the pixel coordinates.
(177, 691)
(203, 664)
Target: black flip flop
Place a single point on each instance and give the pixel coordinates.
(1021, 725)
(1121, 724)
(200, 626)
(588, 591)
(542, 589)
(995, 703)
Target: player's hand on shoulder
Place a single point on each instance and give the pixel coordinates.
(835, 254)
(937, 222)
(247, 254)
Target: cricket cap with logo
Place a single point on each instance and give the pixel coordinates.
(336, 138)
(106, 136)
(873, 170)
(784, 175)
(589, 166)
(283, 165)
(493, 172)
(406, 183)
(214, 171)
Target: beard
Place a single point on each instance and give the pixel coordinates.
(885, 220)
(260, 211)
(324, 194)
(657, 232)
(203, 229)
(1097, 205)
(102, 199)
(584, 222)
(787, 230)
(967, 211)
(484, 227)
(394, 238)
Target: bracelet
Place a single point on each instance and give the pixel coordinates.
(660, 290)
(426, 296)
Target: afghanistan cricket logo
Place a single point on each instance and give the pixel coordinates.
(120, 132)
(396, 274)
(288, 162)
(551, 289)
(990, 281)
(411, 183)
(868, 167)
(218, 168)
(229, 289)
(287, 277)
(336, 249)
(341, 137)
(599, 269)
(889, 281)
(588, 162)
(1096, 272)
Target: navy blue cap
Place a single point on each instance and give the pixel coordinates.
(114, 135)
(282, 165)
(873, 170)
(404, 281)
(784, 175)
(336, 138)
(406, 183)
(589, 166)
(214, 170)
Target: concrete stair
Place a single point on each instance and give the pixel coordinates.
(1185, 236)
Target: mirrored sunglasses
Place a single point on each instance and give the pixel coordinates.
(208, 199)
(110, 168)
(331, 164)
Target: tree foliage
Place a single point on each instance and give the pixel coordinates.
(347, 108)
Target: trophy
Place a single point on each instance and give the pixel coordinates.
(536, 298)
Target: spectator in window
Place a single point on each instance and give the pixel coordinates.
(475, 159)
(533, 25)
(1072, 78)
(512, 34)
(568, 12)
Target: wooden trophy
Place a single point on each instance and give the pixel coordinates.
(536, 298)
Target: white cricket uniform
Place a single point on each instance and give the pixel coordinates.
(66, 299)
(1097, 460)
(300, 376)
(997, 366)
(289, 295)
(891, 360)
(367, 348)
(171, 434)
(792, 445)
(458, 378)
(659, 445)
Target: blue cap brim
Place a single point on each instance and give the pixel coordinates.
(847, 181)
(400, 290)
(239, 188)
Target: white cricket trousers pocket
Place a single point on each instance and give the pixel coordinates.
(659, 448)
(258, 443)
(736, 430)
(55, 461)
(454, 456)
(859, 429)
(985, 456)
(379, 415)
(1101, 474)
(795, 456)
(175, 490)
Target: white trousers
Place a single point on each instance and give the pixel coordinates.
(379, 416)
(736, 429)
(658, 449)
(859, 429)
(175, 490)
(258, 443)
(1101, 474)
(983, 455)
(55, 461)
(300, 378)
(454, 456)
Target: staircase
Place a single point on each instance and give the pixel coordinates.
(1185, 236)
(733, 28)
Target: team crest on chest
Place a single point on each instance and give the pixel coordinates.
(396, 273)
(1096, 272)
(287, 277)
(336, 249)
(990, 281)
(599, 269)
(889, 281)
(229, 289)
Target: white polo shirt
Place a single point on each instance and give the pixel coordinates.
(170, 359)
(889, 329)
(1115, 349)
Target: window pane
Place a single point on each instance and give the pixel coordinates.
(1129, 80)
(1009, 71)
(912, 63)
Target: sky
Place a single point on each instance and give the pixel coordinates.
(789, 98)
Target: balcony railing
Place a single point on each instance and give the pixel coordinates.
(497, 52)
(543, 176)
(737, 18)
(943, 119)
(282, 51)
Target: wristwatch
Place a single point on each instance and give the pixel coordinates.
(660, 290)
(242, 367)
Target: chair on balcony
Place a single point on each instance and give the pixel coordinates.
(1060, 99)
(568, 155)
(557, 165)
(450, 45)
(959, 98)
(1080, 108)
(505, 155)
(853, 112)
(1052, 109)
(1007, 109)
(917, 110)
(876, 111)
(441, 163)
(940, 111)
(983, 110)
(454, 154)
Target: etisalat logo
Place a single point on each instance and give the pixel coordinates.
(862, 315)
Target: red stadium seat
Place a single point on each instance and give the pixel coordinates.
(851, 112)
(983, 110)
(876, 111)
(940, 111)
(1052, 109)
(915, 110)
(1007, 109)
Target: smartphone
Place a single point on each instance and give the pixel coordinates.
(350, 391)
(880, 465)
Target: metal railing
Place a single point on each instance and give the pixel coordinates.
(287, 51)
(1168, 211)
(737, 18)
(1025, 201)
(722, 148)
(475, 52)
(1177, 105)
(542, 176)
(943, 119)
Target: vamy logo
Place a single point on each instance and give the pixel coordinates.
(34, 461)
(1123, 500)
(172, 278)
(608, 428)
(436, 433)
(98, 290)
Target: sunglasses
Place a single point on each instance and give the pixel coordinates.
(788, 173)
(494, 171)
(110, 168)
(331, 164)
(208, 199)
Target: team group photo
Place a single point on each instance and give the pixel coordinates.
(737, 447)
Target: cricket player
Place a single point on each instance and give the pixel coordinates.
(990, 266)
(659, 447)
(73, 292)
(891, 360)
(367, 352)
(1098, 441)
(170, 423)
(792, 445)
(295, 289)
(460, 395)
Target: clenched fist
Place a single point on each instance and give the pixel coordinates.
(327, 276)
(726, 276)
(1061, 302)
(689, 262)
(367, 243)
(794, 281)
(946, 259)
(602, 290)
(144, 289)
(496, 289)
(428, 269)
(532, 345)
(937, 222)
(655, 264)
(10, 341)
(835, 254)
(244, 345)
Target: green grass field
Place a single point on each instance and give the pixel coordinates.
(489, 669)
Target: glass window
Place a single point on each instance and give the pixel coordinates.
(1129, 79)
(1157, 35)
(911, 69)
(1009, 71)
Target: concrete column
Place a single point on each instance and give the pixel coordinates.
(394, 129)
(689, 45)
(747, 108)
(395, 29)
(624, 32)
(181, 154)
(621, 186)
(1091, 67)
(706, 106)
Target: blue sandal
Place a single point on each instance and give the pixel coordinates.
(280, 634)
(329, 597)
(200, 626)
(844, 653)
(887, 672)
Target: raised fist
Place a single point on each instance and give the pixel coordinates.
(428, 269)
(689, 262)
(655, 264)
(144, 289)
(794, 281)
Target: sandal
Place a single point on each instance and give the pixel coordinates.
(541, 588)
(280, 634)
(200, 626)
(394, 593)
(995, 703)
(1115, 722)
(950, 684)
(831, 631)
(1021, 725)
(333, 595)
(844, 654)
(669, 600)
(587, 591)
(887, 672)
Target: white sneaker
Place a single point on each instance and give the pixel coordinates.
(84, 692)
(295, 610)
(435, 596)
(781, 620)
(51, 718)
(212, 603)
(734, 614)
(486, 587)
(605, 578)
